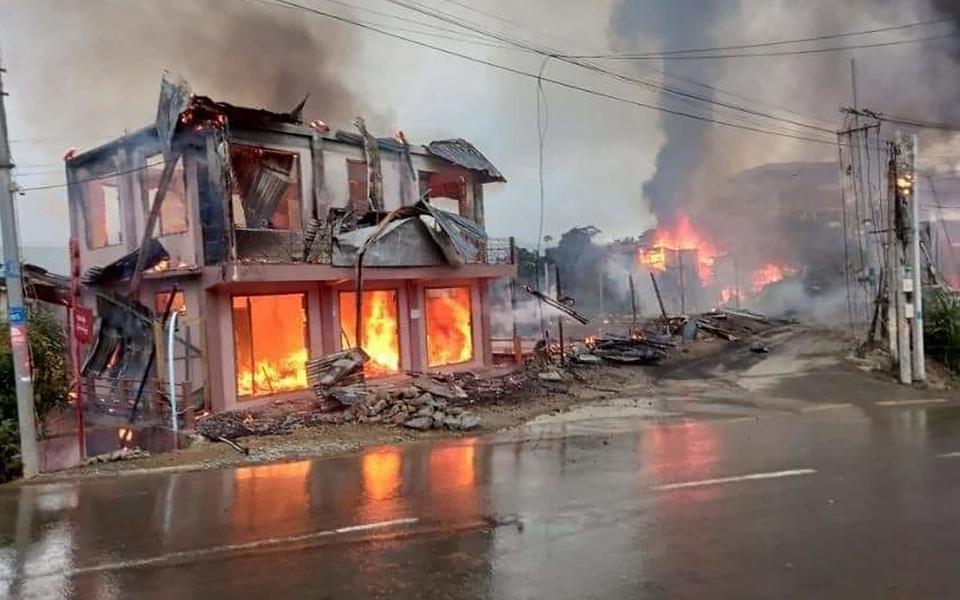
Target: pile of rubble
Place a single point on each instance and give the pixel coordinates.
(426, 403)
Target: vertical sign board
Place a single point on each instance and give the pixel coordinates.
(82, 324)
(17, 316)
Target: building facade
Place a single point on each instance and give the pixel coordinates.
(260, 226)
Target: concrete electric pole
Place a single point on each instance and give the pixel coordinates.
(916, 266)
(17, 312)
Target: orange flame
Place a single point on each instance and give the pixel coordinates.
(449, 331)
(767, 274)
(681, 237)
(270, 377)
(270, 344)
(380, 329)
(729, 294)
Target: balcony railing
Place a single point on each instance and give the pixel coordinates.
(499, 251)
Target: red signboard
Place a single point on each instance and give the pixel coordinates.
(83, 324)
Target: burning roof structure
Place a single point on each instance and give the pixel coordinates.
(276, 241)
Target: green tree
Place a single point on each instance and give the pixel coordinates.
(48, 352)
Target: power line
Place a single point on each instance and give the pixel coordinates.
(89, 179)
(559, 83)
(419, 8)
(767, 44)
(780, 53)
(907, 121)
(693, 81)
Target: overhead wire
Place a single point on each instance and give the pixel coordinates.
(807, 51)
(89, 179)
(520, 72)
(453, 19)
(817, 38)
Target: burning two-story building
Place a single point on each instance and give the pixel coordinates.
(257, 222)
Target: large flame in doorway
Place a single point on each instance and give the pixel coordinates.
(449, 331)
(681, 237)
(271, 377)
(271, 343)
(380, 329)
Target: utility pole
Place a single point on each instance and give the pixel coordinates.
(899, 281)
(916, 266)
(17, 312)
(891, 269)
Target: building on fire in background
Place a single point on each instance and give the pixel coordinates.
(256, 244)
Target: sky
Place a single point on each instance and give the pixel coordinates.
(80, 72)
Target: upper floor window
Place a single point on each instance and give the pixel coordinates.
(357, 180)
(103, 212)
(173, 211)
(266, 193)
(446, 191)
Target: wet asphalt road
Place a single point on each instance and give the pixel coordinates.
(787, 475)
(858, 504)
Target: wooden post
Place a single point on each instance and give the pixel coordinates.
(656, 289)
(633, 303)
(559, 317)
(517, 346)
(165, 178)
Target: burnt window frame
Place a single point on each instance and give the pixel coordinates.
(96, 175)
(362, 204)
(463, 179)
(473, 334)
(298, 180)
(306, 335)
(145, 193)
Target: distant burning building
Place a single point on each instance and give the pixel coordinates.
(694, 274)
(256, 245)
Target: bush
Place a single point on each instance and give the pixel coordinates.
(942, 328)
(48, 353)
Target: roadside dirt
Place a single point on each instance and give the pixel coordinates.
(701, 378)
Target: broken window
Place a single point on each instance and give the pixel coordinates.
(449, 326)
(173, 211)
(266, 193)
(357, 180)
(178, 305)
(446, 191)
(270, 340)
(380, 328)
(104, 215)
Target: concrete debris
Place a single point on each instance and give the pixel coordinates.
(340, 369)
(116, 455)
(382, 405)
(437, 387)
(550, 376)
(419, 423)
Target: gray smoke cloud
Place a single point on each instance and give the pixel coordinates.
(696, 158)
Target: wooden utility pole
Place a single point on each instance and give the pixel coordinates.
(16, 311)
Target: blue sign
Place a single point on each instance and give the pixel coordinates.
(17, 315)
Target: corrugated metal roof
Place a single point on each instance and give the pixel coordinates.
(463, 153)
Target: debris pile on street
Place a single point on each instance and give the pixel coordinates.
(424, 403)
(629, 350)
